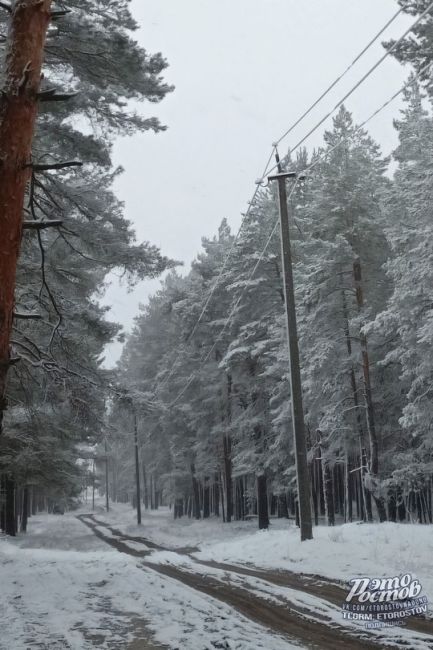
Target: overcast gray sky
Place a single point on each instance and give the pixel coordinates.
(244, 70)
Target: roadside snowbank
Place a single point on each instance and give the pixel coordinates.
(342, 553)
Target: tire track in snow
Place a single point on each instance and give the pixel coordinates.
(315, 585)
(285, 619)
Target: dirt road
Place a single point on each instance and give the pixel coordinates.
(299, 607)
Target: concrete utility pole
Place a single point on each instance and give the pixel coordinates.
(137, 468)
(93, 484)
(107, 500)
(303, 478)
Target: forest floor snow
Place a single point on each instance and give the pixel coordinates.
(61, 588)
(190, 585)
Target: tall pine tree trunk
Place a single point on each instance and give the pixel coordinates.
(18, 111)
(365, 500)
(368, 397)
(227, 451)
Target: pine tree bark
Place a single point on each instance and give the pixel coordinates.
(18, 111)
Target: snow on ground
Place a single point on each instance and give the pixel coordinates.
(313, 607)
(341, 553)
(62, 588)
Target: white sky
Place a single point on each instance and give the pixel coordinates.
(244, 70)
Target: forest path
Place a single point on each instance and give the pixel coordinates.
(299, 607)
(56, 591)
(63, 588)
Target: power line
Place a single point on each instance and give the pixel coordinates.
(359, 83)
(338, 79)
(305, 171)
(215, 285)
(359, 128)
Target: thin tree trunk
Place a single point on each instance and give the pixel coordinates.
(241, 498)
(93, 486)
(206, 498)
(10, 523)
(222, 498)
(262, 502)
(315, 491)
(227, 452)
(328, 492)
(216, 509)
(2, 502)
(145, 489)
(366, 501)
(34, 501)
(195, 492)
(25, 509)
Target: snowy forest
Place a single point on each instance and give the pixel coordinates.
(203, 380)
(216, 423)
(216, 439)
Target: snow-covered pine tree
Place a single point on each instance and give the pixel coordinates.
(406, 325)
(61, 271)
(343, 232)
